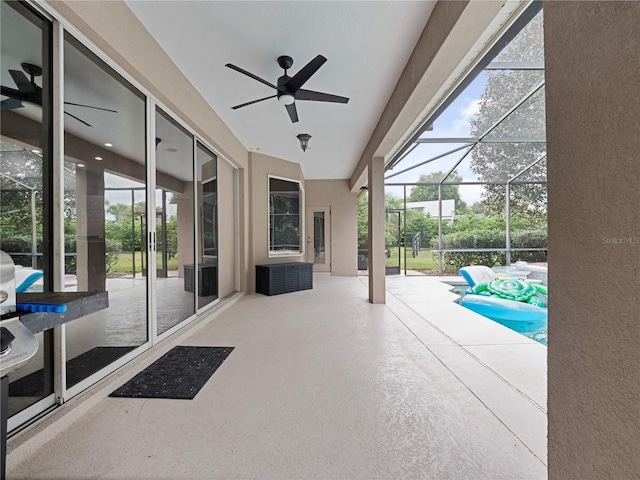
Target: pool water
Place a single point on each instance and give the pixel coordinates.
(539, 336)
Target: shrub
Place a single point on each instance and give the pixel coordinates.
(533, 238)
(481, 239)
(18, 243)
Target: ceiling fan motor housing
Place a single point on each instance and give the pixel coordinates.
(284, 91)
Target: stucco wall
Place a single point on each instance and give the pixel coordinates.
(260, 167)
(344, 221)
(593, 142)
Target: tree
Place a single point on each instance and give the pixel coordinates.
(426, 193)
(363, 221)
(499, 162)
(415, 222)
(423, 223)
(391, 203)
(122, 228)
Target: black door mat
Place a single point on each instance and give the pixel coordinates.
(179, 374)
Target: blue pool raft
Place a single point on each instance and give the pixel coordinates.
(510, 301)
(519, 316)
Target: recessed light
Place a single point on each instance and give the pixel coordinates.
(108, 145)
(36, 151)
(98, 158)
(81, 164)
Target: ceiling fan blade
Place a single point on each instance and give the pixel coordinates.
(90, 106)
(10, 104)
(78, 119)
(300, 78)
(319, 96)
(249, 74)
(252, 102)
(293, 112)
(24, 85)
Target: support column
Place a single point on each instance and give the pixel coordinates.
(90, 231)
(593, 120)
(377, 257)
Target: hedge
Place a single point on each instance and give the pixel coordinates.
(19, 243)
(480, 239)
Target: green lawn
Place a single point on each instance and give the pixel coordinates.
(124, 263)
(423, 261)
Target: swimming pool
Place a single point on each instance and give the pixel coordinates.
(539, 336)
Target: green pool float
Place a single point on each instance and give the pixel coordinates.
(513, 289)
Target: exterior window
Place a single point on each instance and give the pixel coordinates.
(286, 204)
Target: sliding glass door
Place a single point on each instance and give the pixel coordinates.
(105, 199)
(25, 186)
(174, 227)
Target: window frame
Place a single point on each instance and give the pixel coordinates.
(301, 216)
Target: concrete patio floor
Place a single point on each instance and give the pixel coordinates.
(324, 385)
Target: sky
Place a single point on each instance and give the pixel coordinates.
(454, 122)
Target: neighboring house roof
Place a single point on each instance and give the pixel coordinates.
(431, 207)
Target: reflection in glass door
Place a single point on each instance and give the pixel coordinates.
(174, 227)
(104, 199)
(207, 265)
(319, 238)
(25, 186)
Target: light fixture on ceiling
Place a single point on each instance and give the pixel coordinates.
(304, 141)
(286, 99)
(98, 158)
(108, 144)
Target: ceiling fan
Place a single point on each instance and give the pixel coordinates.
(289, 89)
(29, 92)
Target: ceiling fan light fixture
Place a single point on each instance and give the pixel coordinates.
(286, 99)
(304, 141)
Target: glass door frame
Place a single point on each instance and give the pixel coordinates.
(311, 224)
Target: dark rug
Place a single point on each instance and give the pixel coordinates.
(179, 374)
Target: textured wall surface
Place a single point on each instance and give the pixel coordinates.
(226, 229)
(593, 140)
(260, 167)
(344, 221)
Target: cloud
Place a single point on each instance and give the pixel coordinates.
(469, 108)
